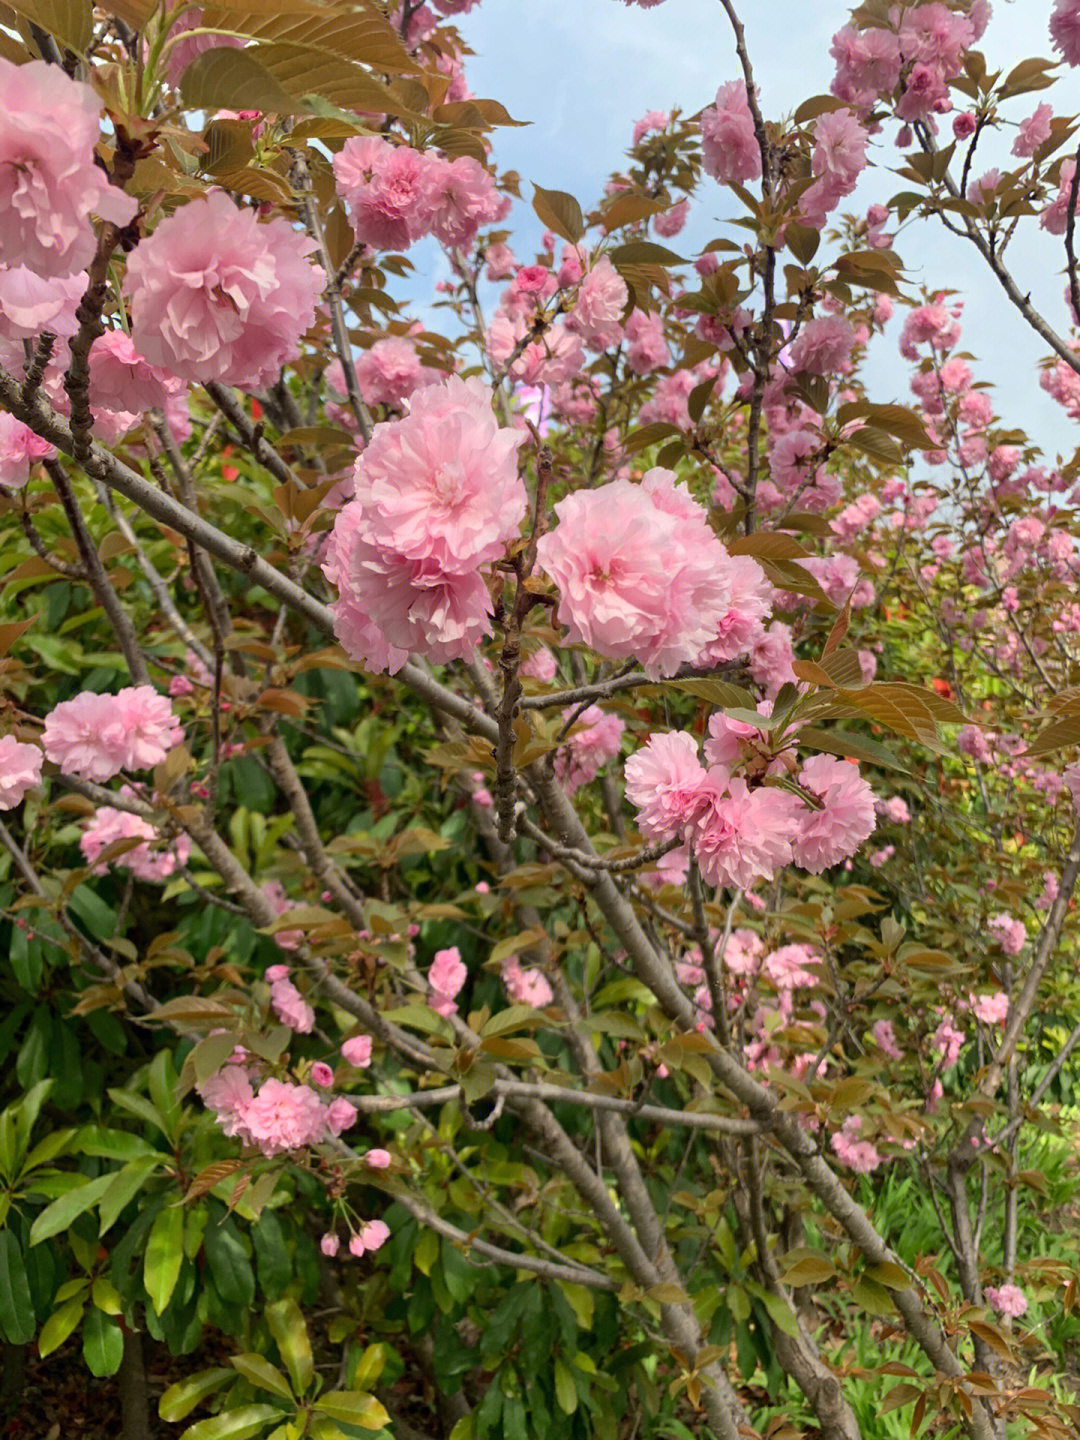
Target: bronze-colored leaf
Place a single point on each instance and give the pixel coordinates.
(559, 212)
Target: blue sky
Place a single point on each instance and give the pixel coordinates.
(582, 71)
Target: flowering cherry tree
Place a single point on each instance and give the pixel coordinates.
(527, 830)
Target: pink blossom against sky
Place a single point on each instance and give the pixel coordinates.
(597, 69)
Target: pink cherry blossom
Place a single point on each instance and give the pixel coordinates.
(593, 741)
(729, 147)
(378, 1159)
(635, 579)
(50, 185)
(144, 860)
(885, 1039)
(217, 295)
(274, 891)
(19, 449)
(291, 1008)
(646, 348)
(322, 1075)
(443, 484)
(787, 967)
(991, 1009)
(340, 1116)
(388, 190)
(823, 346)
(540, 665)
(671, 221)
(228, 1093)
(858, 1155)
(330, 1244)
(526, 987)
(846, 817)
(120, 379)
(1034, 131)
(867, 65)
(96, 736)
(460, 196)
(20, 770)
(283, 1117)
(31, 303)
(447, 973)
(1065, 32)
(668, 785)
(1055, 218)
(356, 1051)
(389, 372)
(1010, 933)
(601, 298)
(1010, 1299)
(373, 1236)
(743, 835)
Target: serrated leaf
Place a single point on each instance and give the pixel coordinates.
(229, 79)
(71, 22)
(893, 1277)
(841, 742)
(559, 212)
(810, 1270)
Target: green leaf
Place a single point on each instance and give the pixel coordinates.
(164, 1256)
(290, 1335)
(25, 1116)
(222, 72)
(644, 252)
(262, 1374)
(59, 1326)
(59, 1215)
(70, 21)
(114, 1144)
(559, 212)
(16, 1307)
(229, 1265)
(361, 35)
(239, 1424)
(140, 1106)
(809, 1270)
(125, 1185)
(106, 1296)
(872, 1297)
(894, 1277)
(103, 1344)
(565, 1389)
(842, 742)
(354, 1407)
(780, 1313)
(180, 1399)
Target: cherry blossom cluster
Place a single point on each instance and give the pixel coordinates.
(396, 195)
(741, 834)
(437, 496)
